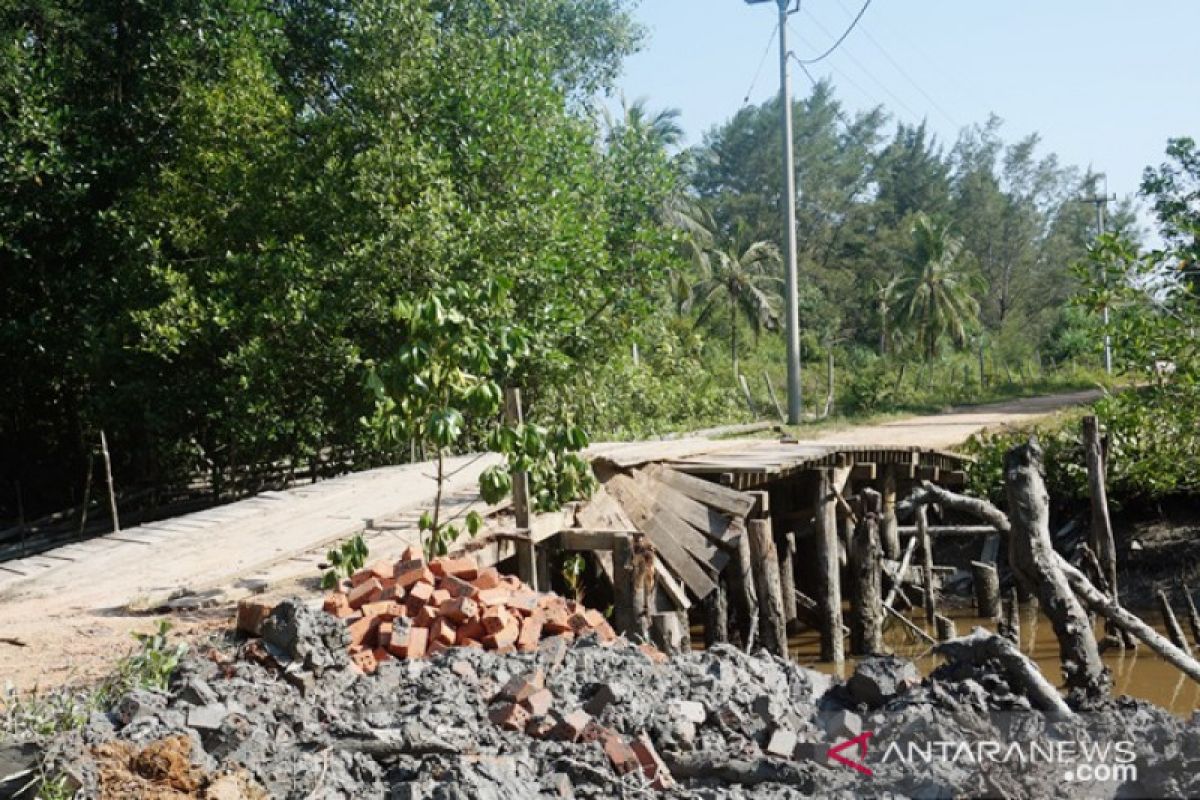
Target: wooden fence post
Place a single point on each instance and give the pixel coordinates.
(526, 551)
(112, 492)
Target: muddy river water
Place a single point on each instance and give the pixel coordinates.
(1139, 674)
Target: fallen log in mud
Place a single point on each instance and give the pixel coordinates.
(980, 646)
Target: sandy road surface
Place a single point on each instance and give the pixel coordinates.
(69, 608)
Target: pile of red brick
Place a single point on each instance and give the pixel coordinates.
(411, 608)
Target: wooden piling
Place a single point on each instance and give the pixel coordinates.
(829, 594)
(716, 615)
(1193, 617)
(889, 531)
(668, 633)
(1010, 628)
(1101, 536)
(945, 628)
(927, 561)
(787, 575)
(1174, 632)
(633, 586)
(867, 612)
(743, 599)
(986, 583)
(767, 584)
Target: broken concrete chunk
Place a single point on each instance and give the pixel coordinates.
(877, 679)
(781, 743)
(843, 725)
(207, 718)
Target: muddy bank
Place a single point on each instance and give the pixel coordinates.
(290, 717)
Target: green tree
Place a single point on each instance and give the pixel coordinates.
(744, 275)
(933, 296)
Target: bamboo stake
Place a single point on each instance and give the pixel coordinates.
(112, 492)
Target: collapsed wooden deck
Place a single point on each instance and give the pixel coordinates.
(708, 517)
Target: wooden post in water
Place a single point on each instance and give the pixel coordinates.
(1010, 627)
(1193, 617)
(716, 615)
(787, 575)
(927, 562)
(1174, 632)
(866, 622)
(1102, 543)
(945, 628)
(889, 533)
(829, 587)
(986, 582)
(767, 583)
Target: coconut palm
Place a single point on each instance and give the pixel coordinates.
(660, 126)
(743, 275)
(933, 299)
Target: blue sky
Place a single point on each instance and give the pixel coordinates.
(1105, 83)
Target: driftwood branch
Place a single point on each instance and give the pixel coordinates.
(981, 646)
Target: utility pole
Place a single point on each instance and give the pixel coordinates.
(795, 404)
(1100, 201)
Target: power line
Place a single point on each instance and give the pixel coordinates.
(841, 38)
(903, 72)
(761, 61)
(899, 102)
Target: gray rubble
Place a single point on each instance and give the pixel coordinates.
(304, 724)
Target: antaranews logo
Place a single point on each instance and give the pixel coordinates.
(1082, 761)
(860, 742)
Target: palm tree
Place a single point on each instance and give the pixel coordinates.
(934, 298)
(660, 126)
(744, 276)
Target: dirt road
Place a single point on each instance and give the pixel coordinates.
(67, 614)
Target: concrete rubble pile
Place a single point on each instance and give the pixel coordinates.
(296, 714)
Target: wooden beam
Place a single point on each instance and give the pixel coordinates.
(583, 539)
(710, 494)
(864, 471)
(661, 533)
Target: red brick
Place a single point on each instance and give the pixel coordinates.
(457, 587)
(393, 592)
(365, 661)
(594, 618)
(438, 597)
(509, 716)
(520, 687)
(409, 643)
(363, 631)
(384, 570)
(442, 631)
(383, 634)
(539, 727)
(413, 553)
(530, 635)
(250, 616)
(511, 581)
(366, 592)
(337, 604)
(378, 608)
(420, 592)
(525, 601)
(621, 755)
(410, 572)
(361, 577)
(458, 609)
(571, 726)
(437, 647)
(465, 568)
(495, 618)
(471, 629)
(652, 764)
(538, 704)
(493, 597)
(426, 616)
(558, 621)
(594, 732)
(487, 578)
(578, 622)
(478, 645)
